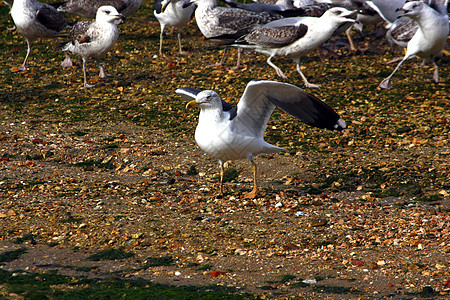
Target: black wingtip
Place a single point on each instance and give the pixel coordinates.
(188, 93)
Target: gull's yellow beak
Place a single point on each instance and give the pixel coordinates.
(192, 104)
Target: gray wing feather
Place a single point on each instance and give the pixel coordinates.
(276, 37)
(88, 8)
(242, 20)
(261, 97)
(51, 18)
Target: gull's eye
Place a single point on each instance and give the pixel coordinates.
(107, 12)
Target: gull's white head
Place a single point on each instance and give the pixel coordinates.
(108, 14)
(341, 14)
(413, 8)
(205, 99)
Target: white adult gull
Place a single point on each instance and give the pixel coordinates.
(36, 20)
(226, 24)
(172, 13)
(95, 38)
(404, 28)
(430, 37)
(295, 37)
(228, 133)
(89, 8)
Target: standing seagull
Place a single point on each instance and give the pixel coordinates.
(89, 8)
(172, 13)
(430, 37)
(228, 133)
(95, 38)
(36, 20)
(295, 37)
(225, 24)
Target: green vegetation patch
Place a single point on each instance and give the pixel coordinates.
(54, 286)
(110, 254)
(159, 261)
(24, 238)
(230, 174)
(12, 255)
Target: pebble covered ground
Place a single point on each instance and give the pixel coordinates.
(360, 214)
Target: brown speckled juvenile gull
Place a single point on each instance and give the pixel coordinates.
(294, 37)
(36, 20)
(95, 38)
(228, 133)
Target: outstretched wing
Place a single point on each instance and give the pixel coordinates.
(262, 96)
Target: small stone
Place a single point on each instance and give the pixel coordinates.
(37, 141)
(240, 252)
(427, 290)
(137, 235)
(381, 263)
(318, 222)
(373, 266)
(357, 262)
(447, 284)
(216, 273)
(309, 281)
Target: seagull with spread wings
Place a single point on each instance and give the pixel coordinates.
(232, 133)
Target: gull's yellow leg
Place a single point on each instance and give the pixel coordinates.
(252, 193)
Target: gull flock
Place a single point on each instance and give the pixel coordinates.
(283, 28)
